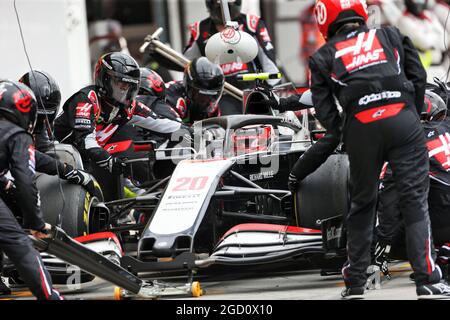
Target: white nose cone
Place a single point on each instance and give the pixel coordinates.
(231, 45)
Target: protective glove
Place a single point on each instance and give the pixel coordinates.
(43, 232)
(79, 177)
(293, 183)
(8, 186)
(4, 183)
(113, 164)
(8, 191)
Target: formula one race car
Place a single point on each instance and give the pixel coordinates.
(225, 203)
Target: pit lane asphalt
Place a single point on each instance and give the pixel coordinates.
(282, 285)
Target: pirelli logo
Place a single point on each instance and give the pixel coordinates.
(360, 52)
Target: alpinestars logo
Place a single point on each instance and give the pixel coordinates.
(378, 113)
(361, 51)
(439, 148)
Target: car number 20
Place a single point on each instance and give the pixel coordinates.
(190, 184)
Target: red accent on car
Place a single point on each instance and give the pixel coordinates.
(270, 228)
(301, 90)
(251, 139)
(318, 136)
(100, 236)
(379, 113)
(143, 147)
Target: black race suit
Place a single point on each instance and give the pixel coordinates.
(379, 81)
(390, 227)
(17, 155)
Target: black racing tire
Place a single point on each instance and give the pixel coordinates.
(75, 209)
(324, 193)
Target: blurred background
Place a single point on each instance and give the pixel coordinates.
(66, 37)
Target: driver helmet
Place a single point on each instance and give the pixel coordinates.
(203, 82)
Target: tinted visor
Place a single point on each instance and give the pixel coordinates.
(123, 89)
(204, 100)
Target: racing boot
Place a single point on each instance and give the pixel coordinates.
(353, 293)
(436, 289)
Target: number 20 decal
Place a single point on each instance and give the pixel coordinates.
(190, 184)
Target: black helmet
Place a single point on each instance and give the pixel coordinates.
(47, 93)
(151, 84)
(203, 81)
(416, 7)
(117, 77)
(215, 10)
(18, 104)
(434, 108)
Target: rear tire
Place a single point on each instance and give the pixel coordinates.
(324, 193)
